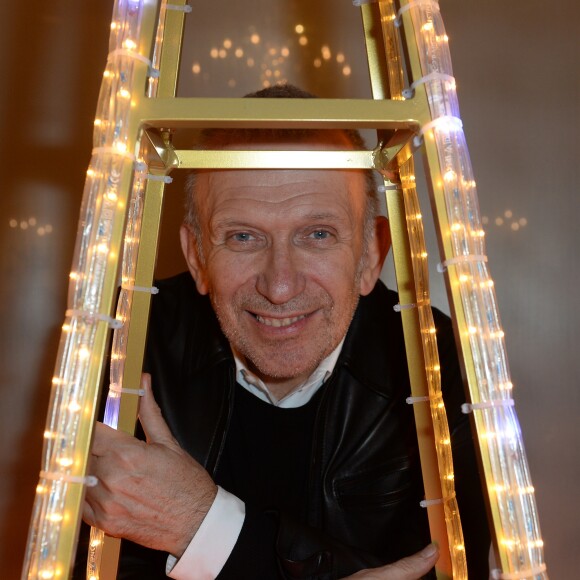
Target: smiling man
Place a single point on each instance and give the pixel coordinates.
(283, 447)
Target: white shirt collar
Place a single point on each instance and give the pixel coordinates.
(300, 395)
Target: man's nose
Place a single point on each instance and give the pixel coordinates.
(281, 278)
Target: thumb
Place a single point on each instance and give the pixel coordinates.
(153, 423)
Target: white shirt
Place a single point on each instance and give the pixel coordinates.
(215, 539)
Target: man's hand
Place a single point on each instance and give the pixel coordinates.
(153, 493)
(411, 568)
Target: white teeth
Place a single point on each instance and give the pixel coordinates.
(279, 322)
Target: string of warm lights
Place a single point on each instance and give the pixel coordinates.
(102, 213)
(510, 491)
(430, 354)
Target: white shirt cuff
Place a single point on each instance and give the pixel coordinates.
(214, 541)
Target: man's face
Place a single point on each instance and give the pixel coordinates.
(284, 263)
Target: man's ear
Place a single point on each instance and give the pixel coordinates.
(378, 248)
(194, 263)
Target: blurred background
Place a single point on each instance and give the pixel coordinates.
(516, 70)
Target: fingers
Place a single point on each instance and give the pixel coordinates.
(105, 438)
(414, 566)
(411, 568)
(154, 426)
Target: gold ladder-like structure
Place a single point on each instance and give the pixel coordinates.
(133, 155)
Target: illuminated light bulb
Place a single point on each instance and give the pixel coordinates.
(114, 25)
(456, 227)
(442, 38)
(498, 334)
(464, 278)
(509, 544)
(41, 489)
(266, 84)
(124, 94)
(13, 223)
(450, 477)
(424, 255)
(459, 547)
(46, 574)
(527, 490)
(506, 386)
(277, 74)
(107, 74)
(268, 73)
(121, 147)
(299, 28)
(255, 39)
(326, 54)
(449, 175)
(508, 213)
(346, 70)
(239, 52)
(214, 52)
(441, 405)
(317, 63)
(472, 330)
(66, 327)
(285, 51)
(97, 122)
(222, 53)
(102, 248)
(418, 216)
(227, 43)
(23, 225)
(74, 407)
(445, 441)
(111, 196)
(273, 52)
(536, 544)
(54, 518)
(84, 353)
(57, 381)
(129, 44)
(498, 221)
(498, 488)
(523, 222)
(340, 58)
(515, 226)
(427, 27)
(48, 228)
(90, 172)
(95, 543)
(65, 461)
(196, 68)
(303, 41)
(49, 435)
(250, 62)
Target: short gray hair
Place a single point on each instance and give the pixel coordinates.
(220, 138)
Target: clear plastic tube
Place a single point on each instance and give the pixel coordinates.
(100, 213)
(510, 491)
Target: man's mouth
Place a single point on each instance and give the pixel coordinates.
(279, 322)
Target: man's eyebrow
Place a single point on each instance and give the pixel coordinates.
(322, 215)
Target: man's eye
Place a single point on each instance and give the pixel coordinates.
(320, 234)
(242, 237)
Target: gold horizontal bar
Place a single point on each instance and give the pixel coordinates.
(197, 113)
(189, 159)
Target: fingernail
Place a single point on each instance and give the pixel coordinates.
(430, 550)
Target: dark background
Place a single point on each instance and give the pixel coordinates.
(516, 69)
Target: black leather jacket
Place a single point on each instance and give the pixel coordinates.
(365, 483)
